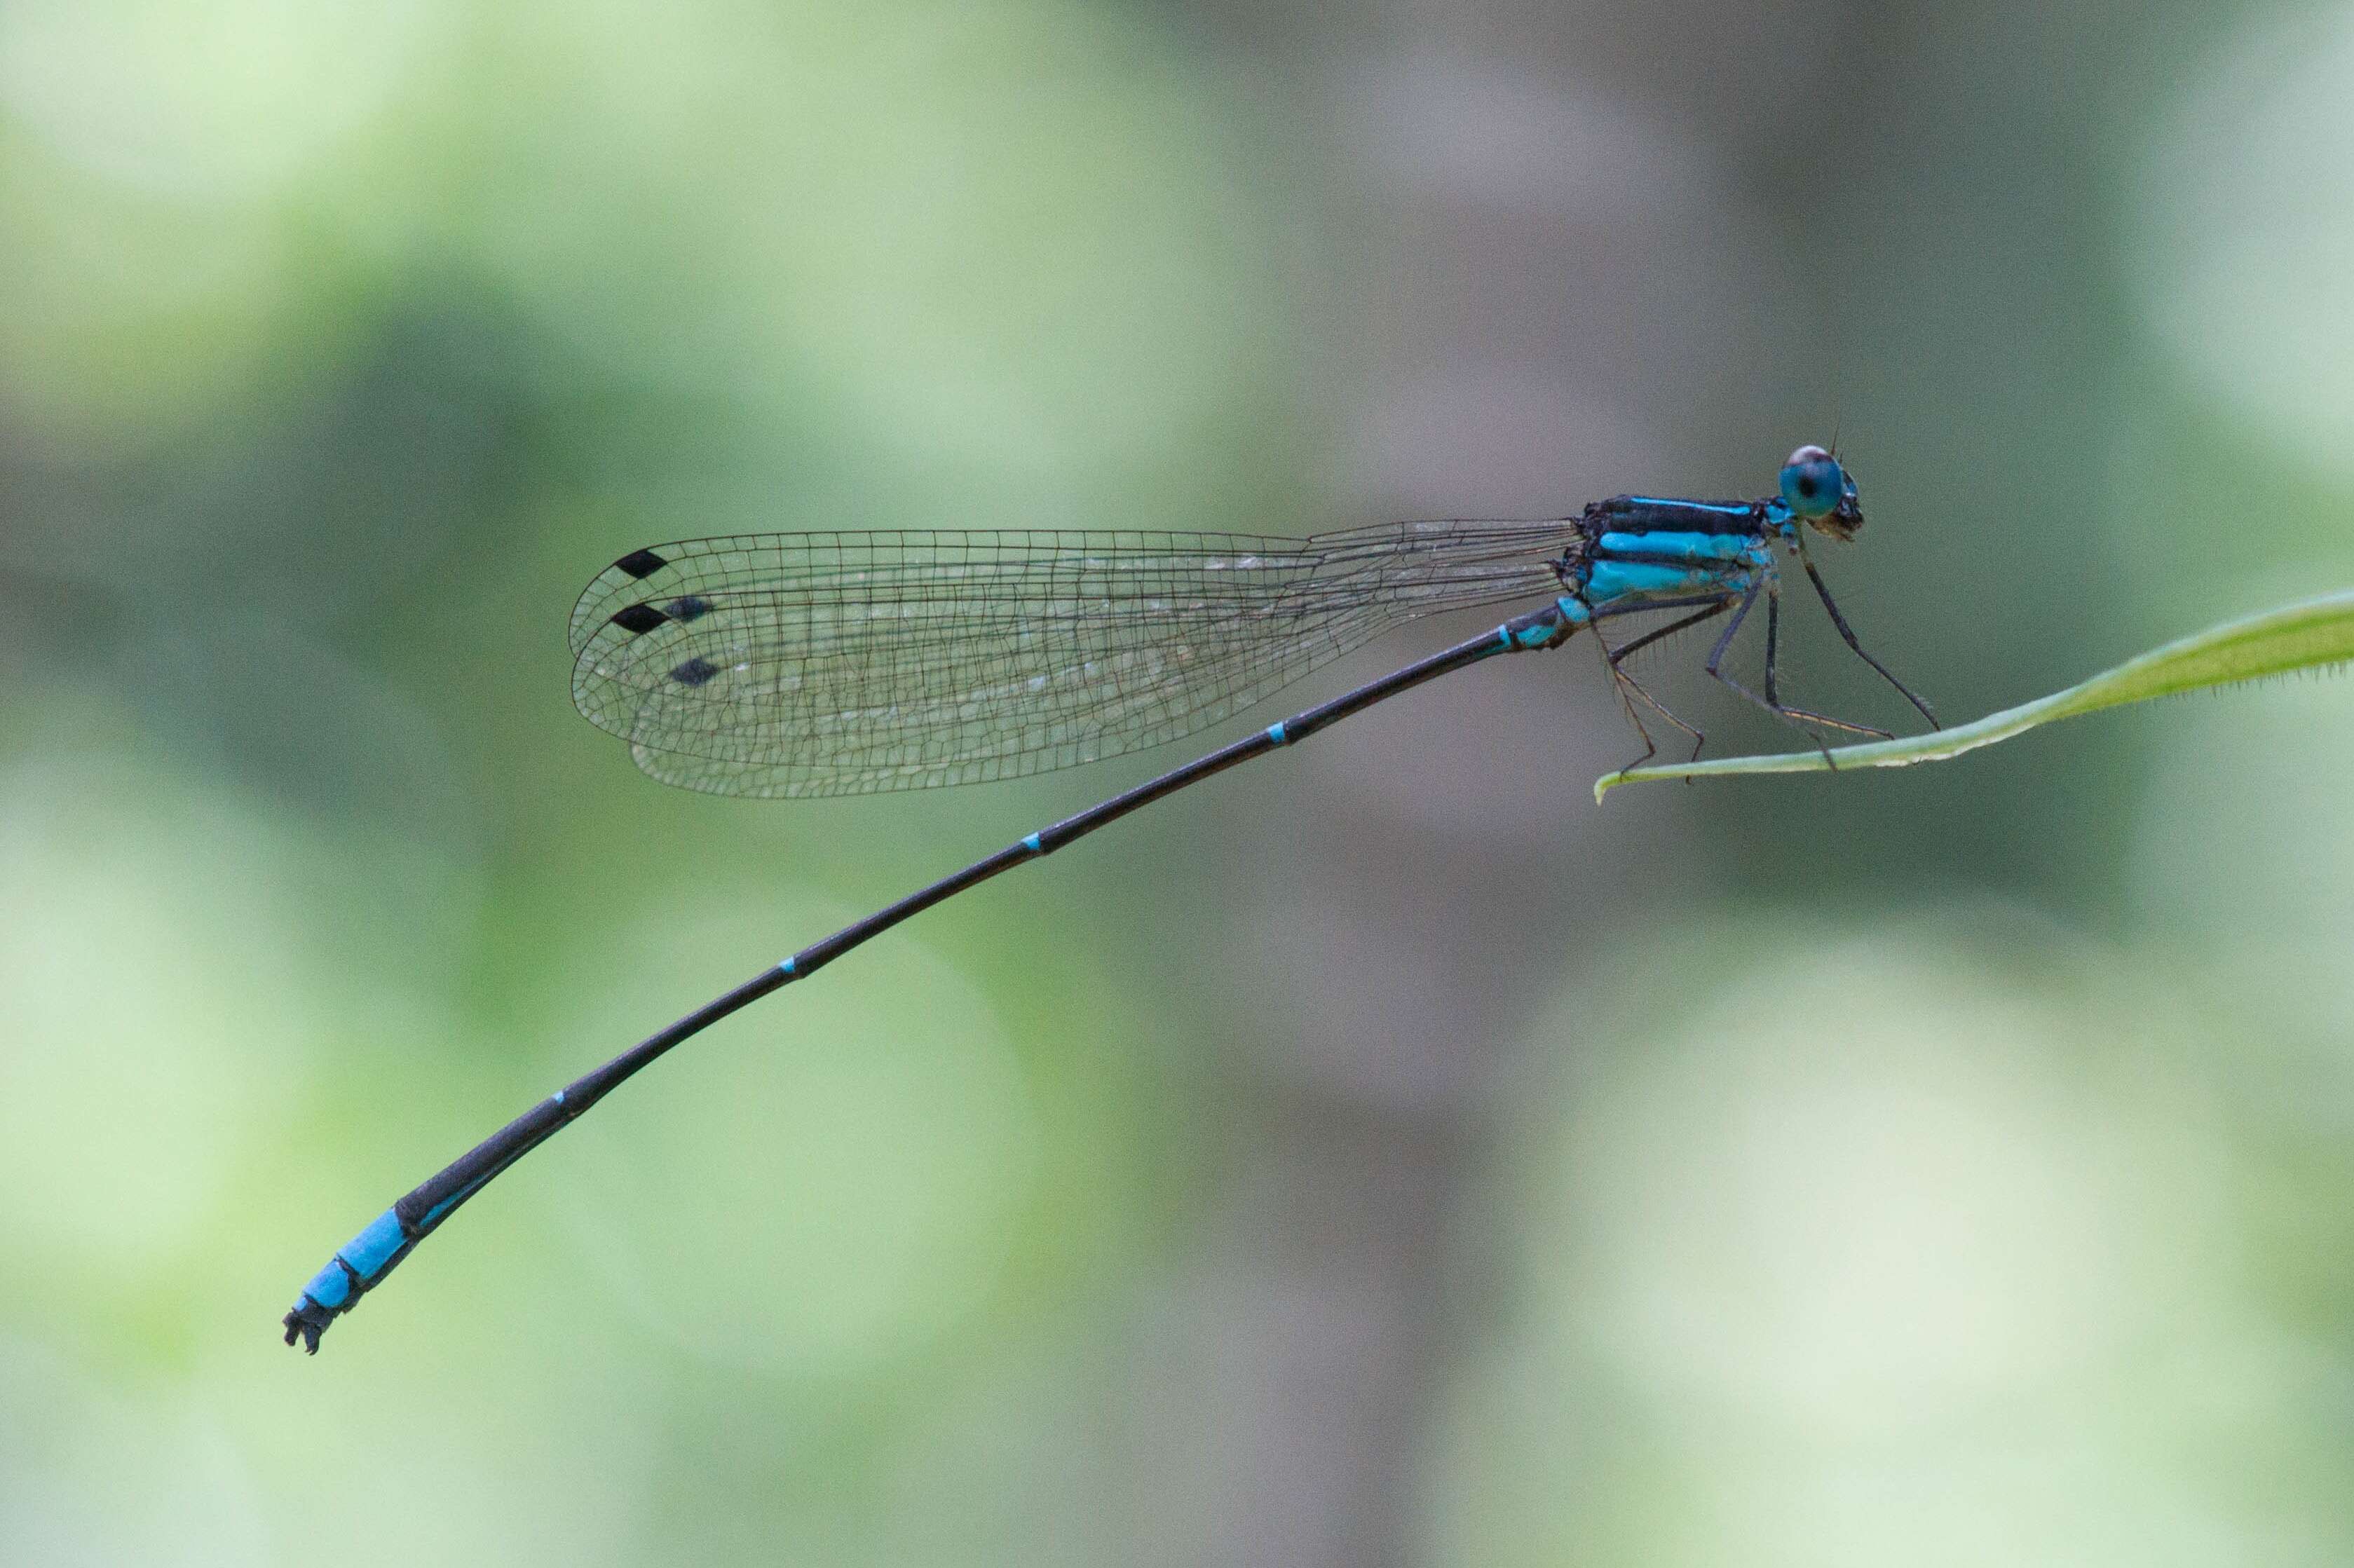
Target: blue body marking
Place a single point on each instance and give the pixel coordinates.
(1573, 610)
(787, 966)
(1535, 630)
(1274, 733)
(331, 1287)
(373, 1247)
(1723, 508)
(1687, 547)
(1030, 843)
(1612, 581)
(364, 1255)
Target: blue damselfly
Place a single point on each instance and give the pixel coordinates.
(801, 664)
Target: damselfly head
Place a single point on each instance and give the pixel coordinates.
(1818, 489)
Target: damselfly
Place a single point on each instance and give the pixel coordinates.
(801, 664)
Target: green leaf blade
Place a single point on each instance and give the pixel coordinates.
(2315, 633)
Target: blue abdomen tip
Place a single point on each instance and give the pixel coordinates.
(371, 1249)
(331, 1287)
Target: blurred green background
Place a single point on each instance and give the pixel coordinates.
(1377, 1155)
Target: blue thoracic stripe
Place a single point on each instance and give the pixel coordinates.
(1612, 581)
(1727, 508)
(1695, 548)
(1274, 733)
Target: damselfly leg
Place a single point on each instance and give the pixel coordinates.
(1806, 718)
(1823, 591)
(1615, 658)
(1772, 672)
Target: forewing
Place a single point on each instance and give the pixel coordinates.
(806, 664)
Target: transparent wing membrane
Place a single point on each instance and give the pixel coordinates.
(800, 664)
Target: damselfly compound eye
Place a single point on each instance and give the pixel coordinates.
(1813, 482)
